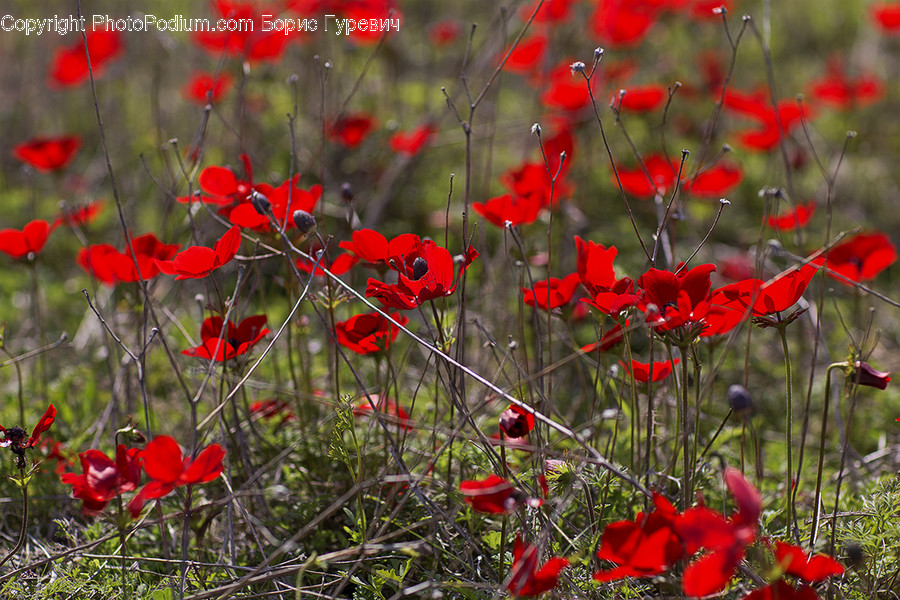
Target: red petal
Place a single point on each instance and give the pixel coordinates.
(206, 467)
(163, 460)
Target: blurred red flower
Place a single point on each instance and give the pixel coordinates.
(493, 495)
(658, 176)
(526, 579)
(842, 92)
(393, 412)
(624, 23)
(509, 209)
(103, 478)
(48, 153)
(860, 258)
(809, 568)
(413, 142)
(167, 469)
(796, 218)
(237, 339)
(368, 333)
(112, 266)
(526, 57)
(79, 216)
(351, 130)
(756, 106)
(551, 293)
(661, 370)
(886, 16)
(444, 33)
(199, 261)
(516, 422)
(206, 87)
(27, 242)
(70, 65)
(248, 41)
(644, 98)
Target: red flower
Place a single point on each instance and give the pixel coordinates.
(372, 247)
(368, 333)
(838, 90)
(511, 210)
(766, 298)
(340, 265)
(113, 266)
(493, 495)
(797, 218)
(425, 273)
(811, 569)
(671, 301)
(199, 261)
(27, 242)
(205, 87)
(864, 374)
(223, 187)
(624, 23)
(168, 469)
(661, 173)
(14, 437)
(267, 409)
(641, 98)
(410, 144)
(756, 106)
(283, 203)
(552, 293)
(103, 478)
(595, 265)
(661, 370)
(70, 65)
(516, 422)
(526, 56)
(647, 546)
(723, 539)
(526, 579)
(48, 153)
(249, 41)
(236, 341)
(551, 11)
(444, 33)
(532, 181)
(394, 413)
(565, 91)
(782, 590)
(861, 258)
(78, 217)
(351, 130)
(887, 17)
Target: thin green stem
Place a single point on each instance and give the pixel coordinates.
(21, 541)
(788, 438)
(685, 437)
(815, 519)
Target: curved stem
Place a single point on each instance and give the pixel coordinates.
(21, 541)
(815, 518)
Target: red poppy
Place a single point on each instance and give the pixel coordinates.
(103, 478)
(444, 33)
(14, 437)
(565, 91)
(199, 261)
(756, 106)
(410, 144)
(237, 340)
(78, 217)
(493, 495)
(372, 247)
(249, 41)
(112, 266)
(723, 539)
(811, 569)
(340, 265)
(658, 176)
(527, 54)
(624, 23)
(393, 412)
(644, 98)
(268, 409)
(864, 374)
(645, 547)
(222, 186)
(561, 142)
(551, 11)
(671, 301)
(516, 422)
(526, 579)
(368, 333)
(782, 590)
(425, 273)
(595, 265)
(70, 65)
(206, 87)
(510, 210)
(795, 218)
(887, 17)
(661, 370)
(861, 258)
(283, 202)
(842, 92)
(769, 297)
(532, 181)
(168, 469)
(551, 293)
(351, 130)
(48, 153)
(614, 300)
(27, 242)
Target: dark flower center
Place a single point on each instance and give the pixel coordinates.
(420, 268)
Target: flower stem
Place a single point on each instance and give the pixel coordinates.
(788, 426)
(24, 519)
(815, 518)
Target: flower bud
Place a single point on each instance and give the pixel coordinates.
(864, 374)
(260, 203)
(739, 399)
(304, 221)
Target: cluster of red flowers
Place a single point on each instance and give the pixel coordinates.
(103, 479)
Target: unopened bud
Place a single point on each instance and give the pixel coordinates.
(347, 192)
(260, 203)
(304, 221)
(739, 399)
